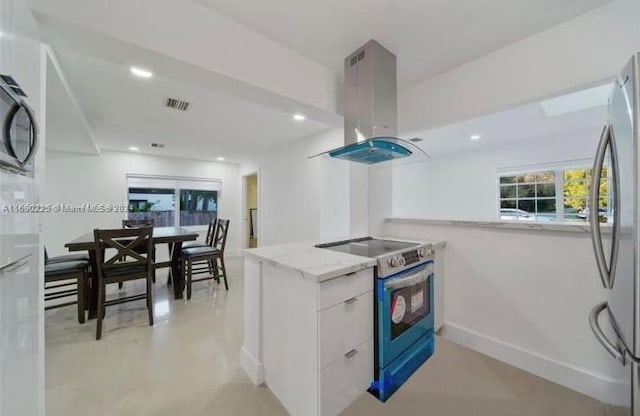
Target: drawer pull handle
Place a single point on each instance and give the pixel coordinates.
(351, 300)
(350, 354)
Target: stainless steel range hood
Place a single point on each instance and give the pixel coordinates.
(371, 108)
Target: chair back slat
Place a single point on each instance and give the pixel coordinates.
(145, 222)
(210, 229)
(220, 234)
(133, 247)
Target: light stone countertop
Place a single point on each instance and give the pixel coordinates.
(572, 227)
(317, 263)
(314, 263)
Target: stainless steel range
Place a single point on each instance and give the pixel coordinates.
(393, 256)
(404, 309)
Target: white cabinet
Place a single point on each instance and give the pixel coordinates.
(346, 379)
(345, 341)
(334, 291)
(345, 326)
(316, 338)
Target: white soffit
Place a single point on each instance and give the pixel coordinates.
(577, 101)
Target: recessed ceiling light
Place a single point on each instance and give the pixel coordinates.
(220, 158)
(134, 148)
(474, 137)
(299, 117)
(142, 73)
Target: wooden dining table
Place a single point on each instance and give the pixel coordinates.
(173, 236)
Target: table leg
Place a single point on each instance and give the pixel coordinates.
(93, 285)
(176, 273)
(169, 279)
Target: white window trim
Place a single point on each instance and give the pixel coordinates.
(557, 167)
(216, 182)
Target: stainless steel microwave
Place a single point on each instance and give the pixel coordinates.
(19, 128)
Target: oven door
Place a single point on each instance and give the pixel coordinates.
(405, 311)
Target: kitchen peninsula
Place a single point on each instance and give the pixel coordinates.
(308, 325)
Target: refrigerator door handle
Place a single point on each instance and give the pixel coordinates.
(615, 232)
(615, 350)
(594, 197)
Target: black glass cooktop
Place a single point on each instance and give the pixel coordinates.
(367, 246)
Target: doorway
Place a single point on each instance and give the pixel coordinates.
(251, 210)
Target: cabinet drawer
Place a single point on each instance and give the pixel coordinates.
(346, 379)
(341, 288)
(344, 326)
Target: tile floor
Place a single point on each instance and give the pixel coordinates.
(188, 364)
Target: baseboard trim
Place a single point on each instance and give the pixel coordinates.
(614, 392)
(251, 366)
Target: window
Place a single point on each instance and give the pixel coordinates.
(552, 195)
(156, 203)
(530, 196)
(577, 184)
(197, 207)
(155, 198)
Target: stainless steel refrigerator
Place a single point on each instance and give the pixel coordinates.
(619, 259)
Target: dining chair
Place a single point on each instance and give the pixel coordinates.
(66, 279)
(137, 223)
(131, 261)
(64, 258)
(208, 239)
(213, 255)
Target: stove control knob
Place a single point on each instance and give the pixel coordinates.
(395, 261)
(422, 253)
(402, 260)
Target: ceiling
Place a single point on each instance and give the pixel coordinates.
(65, 128)
(428, 36)
(527, 122)
(241, 121)
(123, 110)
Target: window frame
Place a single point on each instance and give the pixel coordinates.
(188, 183)
(559, 170)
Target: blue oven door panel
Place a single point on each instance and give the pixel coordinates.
(397, 372)
(405, 311)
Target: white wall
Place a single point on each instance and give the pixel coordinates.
(524, 297)
(582, 51)
(74, 178)
(463, 185)
(302, 199)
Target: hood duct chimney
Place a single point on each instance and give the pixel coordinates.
(371, 109)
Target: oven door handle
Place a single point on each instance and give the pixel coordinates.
(412, 279)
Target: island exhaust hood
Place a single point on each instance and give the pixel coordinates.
(371, 109)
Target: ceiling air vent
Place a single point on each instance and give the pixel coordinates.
(177, 104)
(156, 145)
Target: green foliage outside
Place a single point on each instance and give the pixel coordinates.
(577, 184)
(144, 207)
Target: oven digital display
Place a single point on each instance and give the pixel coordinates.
(411, 257)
